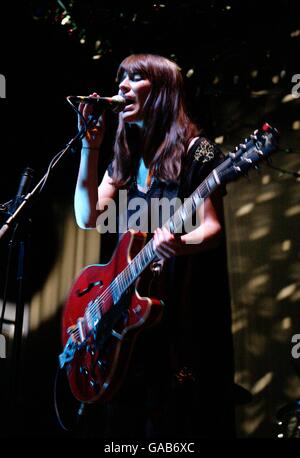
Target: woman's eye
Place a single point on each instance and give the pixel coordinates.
(136, 77)
(131, 77)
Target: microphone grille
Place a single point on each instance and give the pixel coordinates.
(119, 103)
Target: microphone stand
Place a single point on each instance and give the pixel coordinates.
(29, 197)
(17, 242)
(14, 222)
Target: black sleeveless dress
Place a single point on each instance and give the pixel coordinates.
(180, 380)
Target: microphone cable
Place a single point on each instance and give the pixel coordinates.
(80, 134)
(293, 173)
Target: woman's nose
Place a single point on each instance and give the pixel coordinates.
(124, 86)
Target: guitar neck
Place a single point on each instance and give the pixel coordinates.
(174, 224)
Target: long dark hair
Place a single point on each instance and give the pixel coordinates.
(167, 127)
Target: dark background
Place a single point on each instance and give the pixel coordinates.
(44, 61)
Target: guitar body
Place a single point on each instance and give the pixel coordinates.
(99, 366)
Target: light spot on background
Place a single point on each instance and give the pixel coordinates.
(287, 291)
(245, 209)
(259, 233)
(262, 383)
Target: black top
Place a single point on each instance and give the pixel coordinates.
(193, 342)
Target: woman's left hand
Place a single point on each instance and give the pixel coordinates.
(166, 244)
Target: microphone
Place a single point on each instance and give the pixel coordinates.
(24, 186)
(116, 103)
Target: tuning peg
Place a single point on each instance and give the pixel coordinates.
(247, 159)
(232, 155)
(246, 140)
(237, 168)
(255, 132)
(253, 137)
(259, 152)
(236, 148)
(242, 146)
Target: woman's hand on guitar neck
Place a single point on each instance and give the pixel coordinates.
(166, 244)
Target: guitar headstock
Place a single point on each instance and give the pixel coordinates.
(260, 145)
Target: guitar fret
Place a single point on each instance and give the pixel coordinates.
(138, 262)
(147, 251)
(125, 280)
(182, 213)
(171, 224)
(196, 199)
(114, 290)
(208, 186)
(96, 313)
(120, 283)
(133, 269)
(178, 222)
(136, 269)
(87, 317)
(142, 259)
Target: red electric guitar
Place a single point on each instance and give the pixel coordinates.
(105, 312)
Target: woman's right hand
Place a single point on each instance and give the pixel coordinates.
(94, 136)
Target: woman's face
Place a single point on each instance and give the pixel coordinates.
(135, 89)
